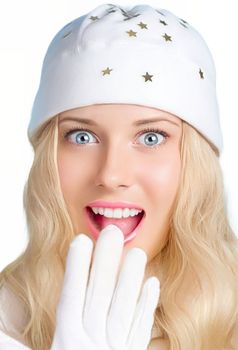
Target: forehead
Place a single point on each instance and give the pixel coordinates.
(130, 111)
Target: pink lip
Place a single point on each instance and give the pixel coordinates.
(95, 232)
(105, 204)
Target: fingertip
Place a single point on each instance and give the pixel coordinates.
(154, 282)
(80, 239)
(154, 288)
(139, 253)
(112, 230)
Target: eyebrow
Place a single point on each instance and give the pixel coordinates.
(136, 123)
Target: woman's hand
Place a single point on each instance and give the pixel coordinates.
(96, 312)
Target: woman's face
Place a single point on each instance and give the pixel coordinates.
(117, 160)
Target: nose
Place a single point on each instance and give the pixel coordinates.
(115, 167)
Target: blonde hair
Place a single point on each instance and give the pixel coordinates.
(197, 267)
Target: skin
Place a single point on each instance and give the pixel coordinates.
(116, 163)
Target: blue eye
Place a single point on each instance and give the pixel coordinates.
(152, 138)
(83, 136)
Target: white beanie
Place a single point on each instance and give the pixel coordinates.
(134, 55)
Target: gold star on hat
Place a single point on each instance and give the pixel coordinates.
(131, 33)
(142, 25)
(164, 23)
(107, 71)
(94, 18)
(167, 37)
(147, 77)
(201, 74)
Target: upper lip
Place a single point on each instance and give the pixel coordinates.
(107, 204)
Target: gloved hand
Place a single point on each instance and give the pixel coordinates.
(99, 314)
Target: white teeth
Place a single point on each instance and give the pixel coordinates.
(116, 213)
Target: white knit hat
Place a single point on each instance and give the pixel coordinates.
(138, 55)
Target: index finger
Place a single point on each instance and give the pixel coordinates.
(103, 276)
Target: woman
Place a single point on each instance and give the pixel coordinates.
(116, 69)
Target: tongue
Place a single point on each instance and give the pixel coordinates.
(127, 225)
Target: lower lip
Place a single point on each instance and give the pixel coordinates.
(95, 232)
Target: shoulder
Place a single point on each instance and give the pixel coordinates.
(12, 320)
(10, 343)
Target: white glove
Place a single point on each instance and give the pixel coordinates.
(97, 314)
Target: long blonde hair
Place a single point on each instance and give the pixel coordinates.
(197, 268)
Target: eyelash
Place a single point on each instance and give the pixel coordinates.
(159, 131)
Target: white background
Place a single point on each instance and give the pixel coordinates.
(26, 29)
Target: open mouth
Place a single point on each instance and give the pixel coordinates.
(128, 225)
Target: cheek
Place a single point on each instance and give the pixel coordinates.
(162, 173)
(66, 169)
(71, 172)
